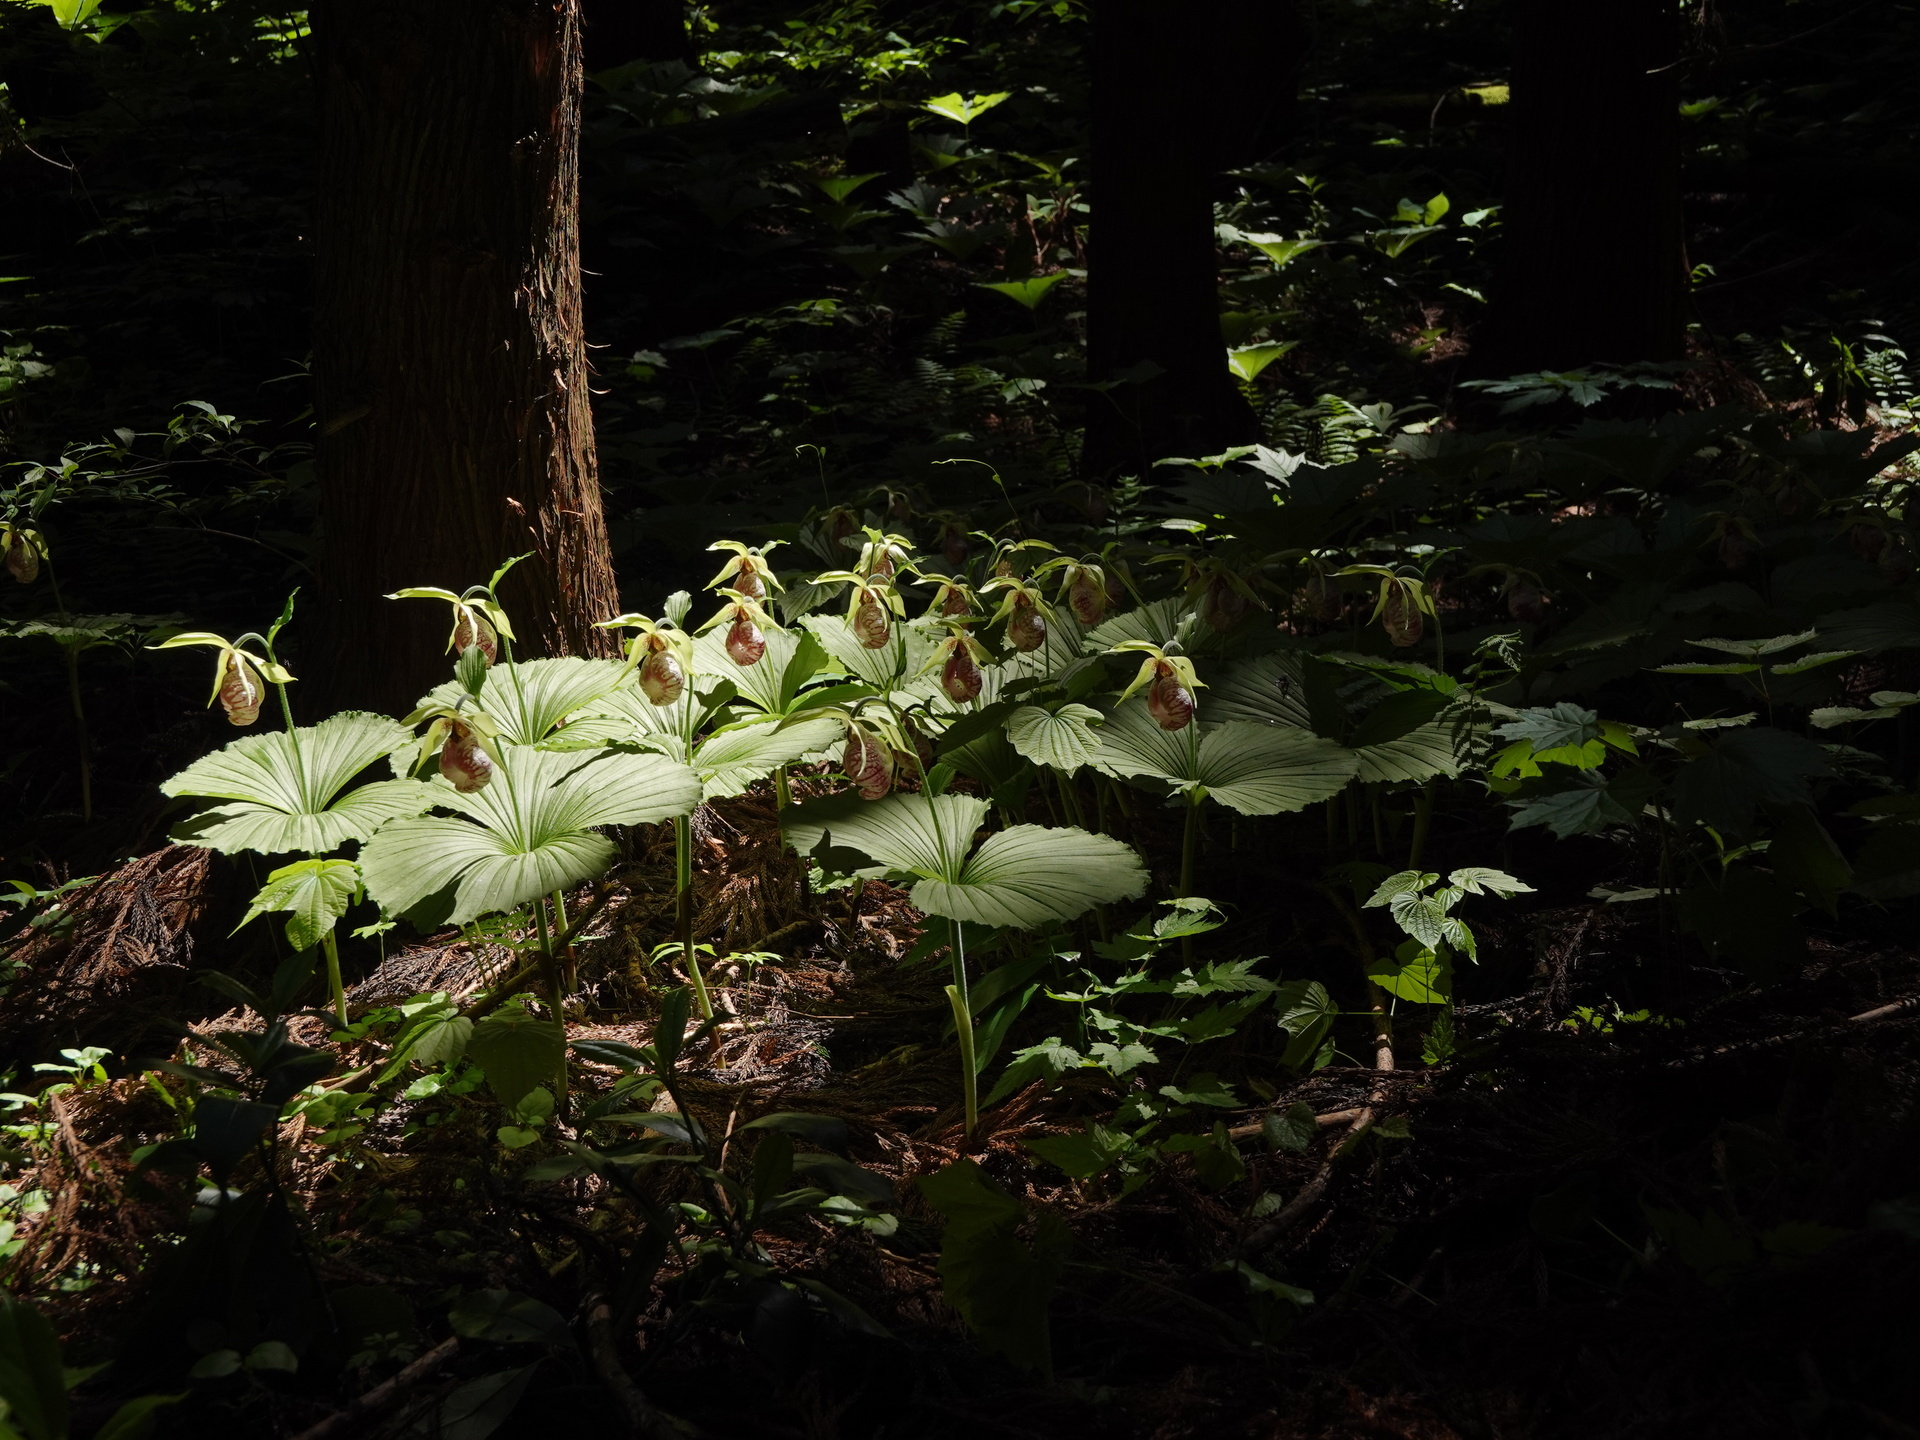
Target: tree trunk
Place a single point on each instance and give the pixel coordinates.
(1593, 263)
(449, 361)
(619, 32)
(1153, 303)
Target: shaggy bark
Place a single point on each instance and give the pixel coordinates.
(449, 360)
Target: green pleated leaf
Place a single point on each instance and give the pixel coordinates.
(728, 761)
(876, 667)
(284, 789)
(1064, 740)
(1419, 755)
(1155, 624)
(1269, 690)
(1031, 874)
(529, 698)
(1022, 877)
(1255, 769)
(529, 832)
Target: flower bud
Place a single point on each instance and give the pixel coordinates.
(1896, 563)
(1324, 598)
(745, 643)
(241, 691)
(1736, 550)
(954, 545)
(1168, 701)
(23, 558)
(1400, 617)
(1086, 598)
(1526, 602)
(472, 629)
(1222, 605)
(960, 676)
(868, 764)
(870, 624)
(1026, 627)
(1868, 541)
(662, 677)
(464, 762)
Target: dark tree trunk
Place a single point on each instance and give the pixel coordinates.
(449, 362)
(619, 32)
(1153, 302)
(1593, 263)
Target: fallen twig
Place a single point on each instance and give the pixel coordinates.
(377, 1399)
(644, 1418)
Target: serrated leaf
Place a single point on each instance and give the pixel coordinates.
(1753, 649)
(519, 1052)
(1743, 770)
(318, 893)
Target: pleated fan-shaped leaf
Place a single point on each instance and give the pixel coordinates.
(1062, 740)
(1023, 877)
(727, 760)
(284, 790)
(1255, 769)
(529, 832)
(529, 698)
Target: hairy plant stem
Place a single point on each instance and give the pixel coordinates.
(782, 793)
(1189, 845)
(1422, 817)
(556, 996)
(683, 925)
(330, 947)
(570, 972)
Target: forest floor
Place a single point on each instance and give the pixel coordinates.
(1583, 1225)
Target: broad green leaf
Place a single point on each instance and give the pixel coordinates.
(1255, 769)
(1419, 755)
(31, 1379)
(1030, 874)
(728, 761)
(528, 833)
(889, 667)
(1559, 733)
(318, 893)
(1021, 877)
(1157, 624)
(529, 698)
(1414, 973)
(1743, 770)
(1754, 649)
(1478, 880)
(285, 788)
(1064, 740)
(1280, 249)
(1029, 292)
(998, 1283)
(1582, 809)
(520, 1052)
(1269, 690)
(1247, 361)
(792, 658)
(964, 109)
